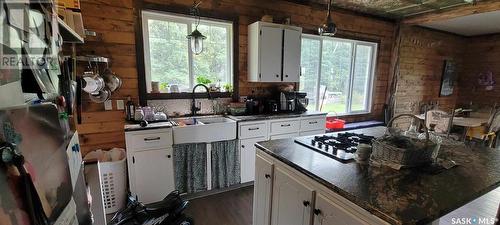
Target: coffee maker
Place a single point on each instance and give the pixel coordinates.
(293, 102)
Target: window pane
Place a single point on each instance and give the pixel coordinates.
(214, 62)
(168, 48)
(335, 72)
(310, 70)
(361, 78)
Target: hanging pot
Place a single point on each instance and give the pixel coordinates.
(112, 81)
(101, 96)
(92, 84)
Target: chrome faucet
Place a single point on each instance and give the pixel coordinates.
(195, 109)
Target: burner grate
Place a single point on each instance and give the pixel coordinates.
(340, 147)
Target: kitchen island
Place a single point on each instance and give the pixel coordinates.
(295, 185)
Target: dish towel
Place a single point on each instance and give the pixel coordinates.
(225, 164)
(190, 167)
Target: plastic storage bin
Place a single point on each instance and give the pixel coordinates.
(113, 169)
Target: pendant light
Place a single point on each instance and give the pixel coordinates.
(329, 28)
(196, 38)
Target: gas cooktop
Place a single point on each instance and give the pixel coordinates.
(339, 146)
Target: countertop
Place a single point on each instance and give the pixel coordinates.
(399, 197)
(150, 126)
(275, 116)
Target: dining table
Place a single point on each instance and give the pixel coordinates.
(465, 122)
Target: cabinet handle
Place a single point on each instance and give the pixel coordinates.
(277, 75)
(243, 146)
(254, 128)
(286, 75)
(152, 139)
(285, 125)
(306, 203)
(169, 156)
(317, 212)
(267, 176)
(313, 122)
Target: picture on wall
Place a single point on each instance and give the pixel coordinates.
(448, 78)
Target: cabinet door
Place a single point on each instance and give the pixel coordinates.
(153, 173)
(247, 160)
(327, 212)
(262, 191)
(291, 55)
(292, 200)
(270, 54)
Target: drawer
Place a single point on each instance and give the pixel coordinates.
(253, 130)
(152, 139)
(316, 123)
(285, 127)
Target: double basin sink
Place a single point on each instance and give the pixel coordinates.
(203, 129)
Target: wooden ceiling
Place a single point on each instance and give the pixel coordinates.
(393, 9)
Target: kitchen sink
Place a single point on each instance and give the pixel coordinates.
(203, 129)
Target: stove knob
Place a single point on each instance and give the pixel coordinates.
(313, 142)
(320, 144)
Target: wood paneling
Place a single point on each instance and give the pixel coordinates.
(421, 61)
(114, 22)
(446, 14)
(482, 55)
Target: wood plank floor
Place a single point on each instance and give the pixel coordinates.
(228, 208)
(235, 208)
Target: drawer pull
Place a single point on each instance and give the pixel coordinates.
(317, 212)
(243, 146)
(152, 139)
(285, 125)
(169, 156)
(267, 176)
(306, 203)
(313, 122)
(253, 128)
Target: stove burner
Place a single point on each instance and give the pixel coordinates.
(340, 147)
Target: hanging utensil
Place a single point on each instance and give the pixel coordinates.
(102, 96)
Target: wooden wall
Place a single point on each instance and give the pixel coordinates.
(422, 55)
(114, 21)
(481, 54)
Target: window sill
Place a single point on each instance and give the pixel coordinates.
(187, 95)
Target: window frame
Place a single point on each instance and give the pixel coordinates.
(371, 79)
(182, 11)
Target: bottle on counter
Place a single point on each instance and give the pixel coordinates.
(129, 109)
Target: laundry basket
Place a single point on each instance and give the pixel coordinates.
(113, 169)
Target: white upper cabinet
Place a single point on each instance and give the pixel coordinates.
(291, 55)
(273, 52)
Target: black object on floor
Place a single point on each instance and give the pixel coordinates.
(169, 211)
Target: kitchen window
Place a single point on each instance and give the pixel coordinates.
(168, 58)
(337, 74)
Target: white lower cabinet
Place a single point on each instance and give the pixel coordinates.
(327, 212)
(292, 200)
(262, 191)
(247, 158)
(153, 174)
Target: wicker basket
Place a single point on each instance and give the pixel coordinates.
(386, 153)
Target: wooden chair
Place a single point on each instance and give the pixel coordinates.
(440, 120)
(487, 134)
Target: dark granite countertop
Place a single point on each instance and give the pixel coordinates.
(399, 197)
(275, 116)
